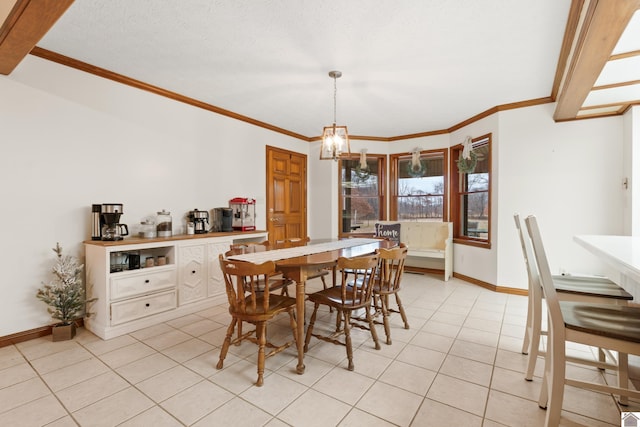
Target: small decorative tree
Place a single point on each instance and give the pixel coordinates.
(65, 294)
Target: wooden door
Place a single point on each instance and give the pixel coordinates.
(286, 194)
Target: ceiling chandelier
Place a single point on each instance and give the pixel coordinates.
(335, 139)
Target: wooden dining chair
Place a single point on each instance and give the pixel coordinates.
(354, 293)
(387, 283)
(252, 302)
(614, 327)
(568, 288)
(277, 280)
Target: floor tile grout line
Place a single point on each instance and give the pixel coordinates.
(46, 384)
(114, 370)
(493, 367)
(456, 291)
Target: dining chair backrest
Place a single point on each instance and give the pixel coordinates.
(245, 245)
(247, 285)
(390, 268)
(544, 276)
(532, 269)
(358, 277)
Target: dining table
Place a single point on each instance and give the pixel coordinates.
(300, 262)
(621, 254)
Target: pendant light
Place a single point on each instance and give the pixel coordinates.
(335, 139)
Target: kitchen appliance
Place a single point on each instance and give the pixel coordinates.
(244, 213)
(216, 220)
(200, 221)
(111, 228)
(222, 220)
(96, 222)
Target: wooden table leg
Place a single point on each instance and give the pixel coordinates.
(299, 275)
(300, 299)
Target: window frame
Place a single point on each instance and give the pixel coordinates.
(456, 214)
(382, 185)
(394, 160)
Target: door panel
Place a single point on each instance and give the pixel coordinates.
(279, 195)
(286, 194)
(293, 230)
(280, 164)
(297, 167)
(295, 204)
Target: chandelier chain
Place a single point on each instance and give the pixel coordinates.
(335, 97)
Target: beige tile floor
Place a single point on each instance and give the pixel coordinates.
(458, 364)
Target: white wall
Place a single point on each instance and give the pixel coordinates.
(70, 139)
(567, 174)
(322, 206)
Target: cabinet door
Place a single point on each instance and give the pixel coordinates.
(192, 274)
(215, 280)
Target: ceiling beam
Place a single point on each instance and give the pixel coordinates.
(27, 23)
(601, 27)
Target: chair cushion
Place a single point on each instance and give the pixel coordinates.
(277, 304)
(333, 296)
(603, 289)
(614, 321)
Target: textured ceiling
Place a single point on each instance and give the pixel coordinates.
(408, 66)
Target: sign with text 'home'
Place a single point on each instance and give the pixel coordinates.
(389, 231)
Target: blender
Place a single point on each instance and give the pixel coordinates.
(111, 228)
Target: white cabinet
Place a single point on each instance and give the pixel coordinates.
(192, 273)
(215, 281)
(142, 282)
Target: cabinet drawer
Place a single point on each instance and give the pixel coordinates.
(126, 311)
(145, 282)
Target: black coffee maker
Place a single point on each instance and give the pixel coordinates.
(222, 219)
(110, 228)
(200, 221)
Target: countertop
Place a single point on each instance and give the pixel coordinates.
(137, 240)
